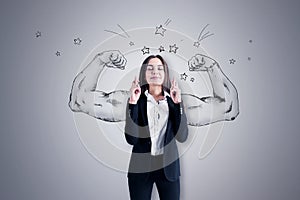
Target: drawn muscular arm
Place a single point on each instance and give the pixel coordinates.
(222, 105)
(85, 98)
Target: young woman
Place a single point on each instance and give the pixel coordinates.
(155, 119)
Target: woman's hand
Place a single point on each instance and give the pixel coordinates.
(135, 91)
(175, 92)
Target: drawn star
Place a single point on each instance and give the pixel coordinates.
(131, 43)
(183, 76)
(77, 41)
(160, 30)
(38, 34)
(145, 50)
(58, 53)
(232, 61)
(161, 48)
(192, 79)
(173, 48)
(196, 44)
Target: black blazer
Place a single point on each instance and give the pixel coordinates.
(137, 134)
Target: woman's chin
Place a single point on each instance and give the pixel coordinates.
(155, 83)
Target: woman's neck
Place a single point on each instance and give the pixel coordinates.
(155, 91)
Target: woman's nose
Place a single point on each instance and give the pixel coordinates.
(155, 70)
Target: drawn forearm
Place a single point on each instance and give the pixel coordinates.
(110, 106)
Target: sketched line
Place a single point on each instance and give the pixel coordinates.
(206, 35)
(202, 31)
(123, 30)
(168, 22)
(115, 33)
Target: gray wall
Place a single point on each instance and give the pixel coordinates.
(42, 156)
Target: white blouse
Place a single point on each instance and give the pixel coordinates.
(158, 114)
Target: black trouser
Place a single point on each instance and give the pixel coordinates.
(141, 189)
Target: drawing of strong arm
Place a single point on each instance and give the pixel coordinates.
(85, 98)
(222, 105)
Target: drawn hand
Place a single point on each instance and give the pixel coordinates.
(135, 91)
(113, 59)
(201, 62)
(175, 92)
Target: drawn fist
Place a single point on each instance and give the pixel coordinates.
(201, 62)
(113, 59)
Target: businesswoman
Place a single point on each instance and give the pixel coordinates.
(155, 120)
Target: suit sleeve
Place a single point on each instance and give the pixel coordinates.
(180, 122)
(131, 124)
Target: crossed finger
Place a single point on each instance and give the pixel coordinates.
(135, 82)
(174, 84)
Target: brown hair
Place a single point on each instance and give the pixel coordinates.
(144, 85)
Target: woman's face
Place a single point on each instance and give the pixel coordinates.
(155, 73)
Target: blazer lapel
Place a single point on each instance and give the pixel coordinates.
(143, 109)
